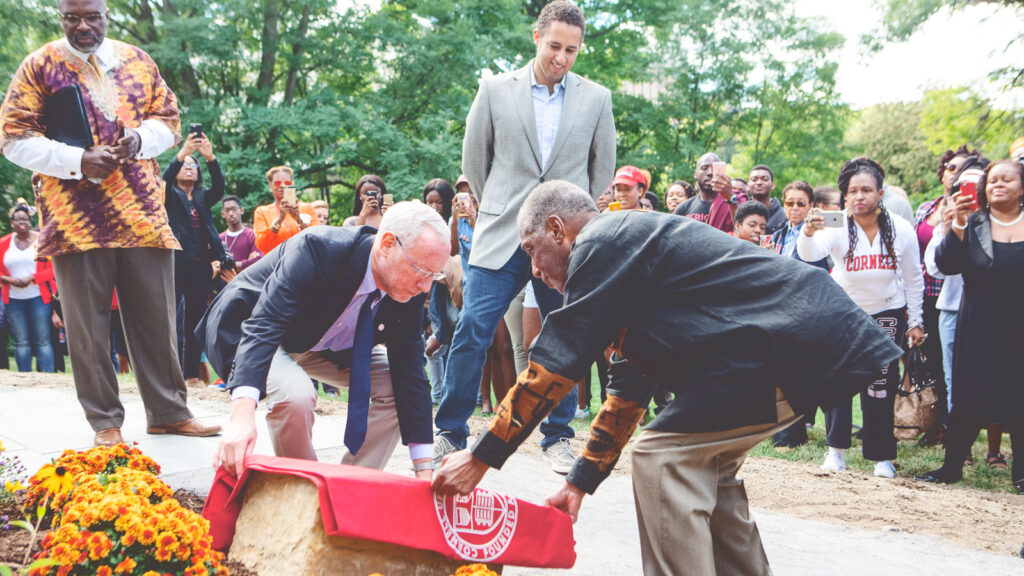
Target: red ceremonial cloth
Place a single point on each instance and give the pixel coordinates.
(368, 504)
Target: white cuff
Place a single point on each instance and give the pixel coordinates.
(154, 138)
(420, 451)
(71, 161)
(249, 392)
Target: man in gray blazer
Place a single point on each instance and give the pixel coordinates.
(525, 127)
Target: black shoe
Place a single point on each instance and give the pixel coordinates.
(936, 477)
(1019, 486)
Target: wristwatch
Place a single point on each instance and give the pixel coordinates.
(733, 200)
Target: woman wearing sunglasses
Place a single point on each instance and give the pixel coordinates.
(277, 222)
(797, 198)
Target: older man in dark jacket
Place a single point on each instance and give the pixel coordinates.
(315, 307)
(743, 337)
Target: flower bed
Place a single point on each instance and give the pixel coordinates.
(111, 515)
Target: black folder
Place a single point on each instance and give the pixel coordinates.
(65, 118)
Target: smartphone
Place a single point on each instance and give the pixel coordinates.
(388, 199)
(289, 195)
(720, 168)
(614, 206)
(970, 190)
(833, 218)
(195, 130)
(462, 201)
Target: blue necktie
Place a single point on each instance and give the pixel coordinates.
(359, 377)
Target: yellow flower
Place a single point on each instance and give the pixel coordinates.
(14, 486)
(56, 479)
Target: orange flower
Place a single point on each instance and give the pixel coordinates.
(104, 571)
(125, 566)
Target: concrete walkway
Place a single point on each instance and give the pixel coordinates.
(37, 424)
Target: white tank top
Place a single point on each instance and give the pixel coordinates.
(21, 264)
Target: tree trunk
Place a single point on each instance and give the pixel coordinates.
(296, 63)
(265, 82)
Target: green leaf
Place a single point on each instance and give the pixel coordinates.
(40, 512)
(103, 479)
(42, 562)
(5, 570)
(21, 524)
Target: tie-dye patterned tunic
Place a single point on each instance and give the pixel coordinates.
(126, 210)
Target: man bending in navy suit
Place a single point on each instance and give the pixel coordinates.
(320, 306)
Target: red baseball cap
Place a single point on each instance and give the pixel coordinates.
(630, 176)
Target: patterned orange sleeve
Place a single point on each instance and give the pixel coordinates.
(534, 396)
(163, 105)
(21, 115)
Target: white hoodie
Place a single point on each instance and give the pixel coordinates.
(869, 278)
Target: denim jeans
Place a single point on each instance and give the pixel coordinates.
(29, 321)
(435, 368)
(486, 296)
(947, 333)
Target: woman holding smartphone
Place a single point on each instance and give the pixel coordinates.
(878, 264)
(985, 244)
(369, 203)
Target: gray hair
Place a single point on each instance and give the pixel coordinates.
(554, 198)
(407, 220)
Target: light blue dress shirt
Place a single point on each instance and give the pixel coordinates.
(789, 246)
(547, 108)
(342, 333)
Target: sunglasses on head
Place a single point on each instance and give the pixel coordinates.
(280, 183)
(791, 203)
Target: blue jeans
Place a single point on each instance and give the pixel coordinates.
(435, 367)
(29, 321)
(486, 295)
(947, 333)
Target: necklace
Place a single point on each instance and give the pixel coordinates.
(1006, 224)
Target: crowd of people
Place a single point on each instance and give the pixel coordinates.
(543, 259)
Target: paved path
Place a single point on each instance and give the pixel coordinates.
(37, 424)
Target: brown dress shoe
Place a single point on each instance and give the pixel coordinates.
(108, 437)
(190, 427)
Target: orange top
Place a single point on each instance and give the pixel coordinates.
(266, 239)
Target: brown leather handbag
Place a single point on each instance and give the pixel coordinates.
(917, 409)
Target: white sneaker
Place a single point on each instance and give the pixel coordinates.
(835, 461)
(885, 469)
(582, 413)
(443, 447)
(560, 456)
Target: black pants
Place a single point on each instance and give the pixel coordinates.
(795, 435)
(192, 289)
(932, 349)
(960, 436)
(602, 377)
(876, 401)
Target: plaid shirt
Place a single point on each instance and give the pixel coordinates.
(932, 286)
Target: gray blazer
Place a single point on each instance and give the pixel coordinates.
(501, 154)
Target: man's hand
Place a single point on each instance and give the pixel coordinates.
(228, 275)
(215, 266)
(98, 162)
(433, 345)
(240, 437)
(128, 146)
(459, 474)
(567, 499)
(722, 186)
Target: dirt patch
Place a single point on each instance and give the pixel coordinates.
(968, 517)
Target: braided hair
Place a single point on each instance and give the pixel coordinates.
(864, 165)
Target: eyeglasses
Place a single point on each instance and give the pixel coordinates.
(435, 276)
(280, 183)
(92, 18)
(791, 203)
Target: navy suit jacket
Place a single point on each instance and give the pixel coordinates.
(290, 298)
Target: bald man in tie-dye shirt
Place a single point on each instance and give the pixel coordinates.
(102, 217)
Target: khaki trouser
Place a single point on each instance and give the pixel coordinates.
(292, 398)
(144, 278)
(691, 508)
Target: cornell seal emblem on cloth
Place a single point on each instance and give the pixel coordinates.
(479, 526)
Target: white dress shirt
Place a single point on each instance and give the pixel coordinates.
(52, 158)
(547, 108)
